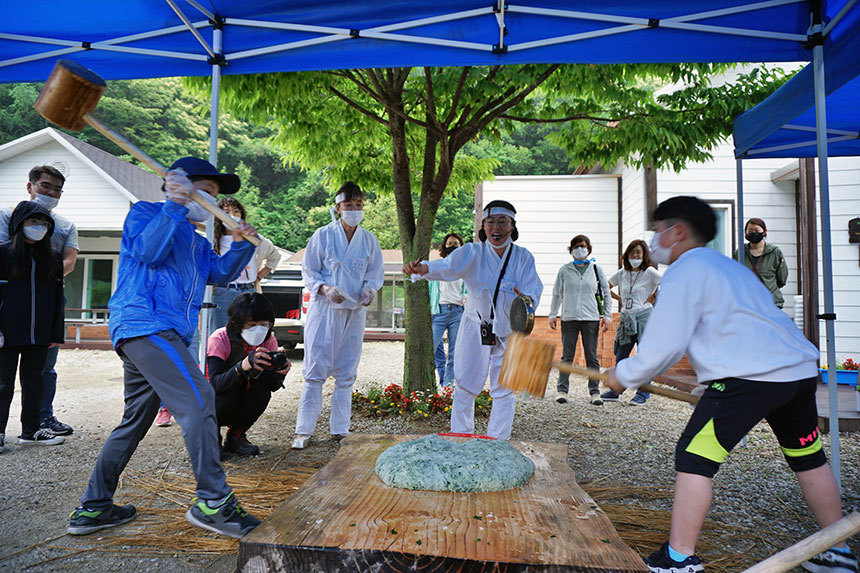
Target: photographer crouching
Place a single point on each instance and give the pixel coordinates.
(244, 365)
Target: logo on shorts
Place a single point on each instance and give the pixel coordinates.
(810, 438)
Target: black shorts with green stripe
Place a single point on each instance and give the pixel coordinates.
(731, 407)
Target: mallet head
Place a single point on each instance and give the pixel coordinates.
(69, 93)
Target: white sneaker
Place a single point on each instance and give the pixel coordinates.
(301, 441)
(41, 437)
(561, 398)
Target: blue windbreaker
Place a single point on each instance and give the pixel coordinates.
(164, 266)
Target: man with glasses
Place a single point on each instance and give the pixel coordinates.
(45, 186)
(494, 271)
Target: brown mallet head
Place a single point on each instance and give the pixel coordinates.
(526, 364)
(69, 93)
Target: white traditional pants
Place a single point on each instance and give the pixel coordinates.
(472, 362)
(333, 338)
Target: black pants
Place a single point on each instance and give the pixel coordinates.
(570, 331)
(32, 384)
(240, 407)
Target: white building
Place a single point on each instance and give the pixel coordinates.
(613, 208)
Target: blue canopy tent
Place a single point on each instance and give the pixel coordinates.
(148, 38)
(817, 112)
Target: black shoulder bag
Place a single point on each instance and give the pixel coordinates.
(597, 294)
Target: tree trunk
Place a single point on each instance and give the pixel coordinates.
(418, 366)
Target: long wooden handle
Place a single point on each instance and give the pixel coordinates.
(598, 375)
(791, 557)
(159, 169)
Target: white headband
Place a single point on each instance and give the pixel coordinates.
(339, 197)
(498, 211)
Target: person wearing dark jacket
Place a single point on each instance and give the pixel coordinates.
(239, 365)
(31, 316)
(765, 259)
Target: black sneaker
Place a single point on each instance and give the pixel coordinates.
(83, 521)
(57, 427)
(228, 518)
(2, 442)
(609, 396)
(237, 443)
(660, 562)
(41, 437)
(831, 562)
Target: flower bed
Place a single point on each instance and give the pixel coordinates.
(391, 401)
(842, 376)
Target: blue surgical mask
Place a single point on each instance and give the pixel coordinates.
(46, 201)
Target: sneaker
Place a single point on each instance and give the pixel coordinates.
(83, 521)
(57, 427)
(228, 518)
(638, 400)
(596, 401)
(41, 438)
(237, 443)
(338, 437)
(301, 441)
(609, 396)
(660, 562)
(831, 562)
(162, 419)
(561, 397)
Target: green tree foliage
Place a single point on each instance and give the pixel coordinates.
(402, 131)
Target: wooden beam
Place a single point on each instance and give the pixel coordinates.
(650, 193)
(620, 208)
(807, 256)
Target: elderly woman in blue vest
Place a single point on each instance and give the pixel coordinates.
(577, 288)
(447, 299)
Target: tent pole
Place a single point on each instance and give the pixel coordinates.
(210, 221)
(740, 232)
(827, 256)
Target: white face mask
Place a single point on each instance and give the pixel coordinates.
(635, 263)
(255, 335)
(236, 219)
(661, 255)
(352, 218)
(46, 201)
(35, 232)
(580, 253)
(196, 212)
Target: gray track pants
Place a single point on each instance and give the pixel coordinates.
(159, 368)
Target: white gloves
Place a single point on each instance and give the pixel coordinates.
(333, 294)
(365, 298)
(178, 186)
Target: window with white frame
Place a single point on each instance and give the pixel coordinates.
(90, 285)
(724, 239)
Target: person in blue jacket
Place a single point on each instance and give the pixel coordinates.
(164, 266)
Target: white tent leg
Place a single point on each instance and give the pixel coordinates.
(740, 181)
(827, 257)
(210, 221)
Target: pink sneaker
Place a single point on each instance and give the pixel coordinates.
(162, 420)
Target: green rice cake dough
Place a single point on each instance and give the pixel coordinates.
(436, 464)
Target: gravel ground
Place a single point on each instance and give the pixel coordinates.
(757, 501)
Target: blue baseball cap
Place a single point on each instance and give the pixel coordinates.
(200, 169)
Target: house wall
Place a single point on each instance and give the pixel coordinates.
(633, 215)
(90, 201)
(551, 210)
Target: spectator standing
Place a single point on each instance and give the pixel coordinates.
(447, 299)
(637, 281)
(765, 259)
(238, 363)
(45, 187)
(582, 291)
(31, 316)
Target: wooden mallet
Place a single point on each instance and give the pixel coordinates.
(527, 363)
(71, 92)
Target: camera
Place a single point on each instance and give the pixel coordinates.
(488, 337)
(278, 361)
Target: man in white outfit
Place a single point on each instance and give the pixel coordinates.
(494, 270)
(342, 268)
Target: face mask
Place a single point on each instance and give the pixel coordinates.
(448, 250)
(35, 232)
(196, 212)
(352, 218)
(255, 335)
(236, 219)
(45, 201)
(635, 263)
(755, 238)
(661, 255)
(580, 253)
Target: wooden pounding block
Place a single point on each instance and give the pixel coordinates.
(345, 519)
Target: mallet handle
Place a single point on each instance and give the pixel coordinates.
(161, 171)
(598, 375)
(789, 558)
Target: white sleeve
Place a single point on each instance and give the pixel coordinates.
(312, 264)
(530, 284)
(606, 293)
(670, 328)
(557, 295)
(615, 279)
(452, 267)
(374, 276)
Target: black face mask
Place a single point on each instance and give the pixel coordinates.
(448, 250)
(755, 238)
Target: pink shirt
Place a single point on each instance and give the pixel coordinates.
(219, 344)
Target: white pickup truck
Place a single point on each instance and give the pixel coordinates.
(286, 291)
